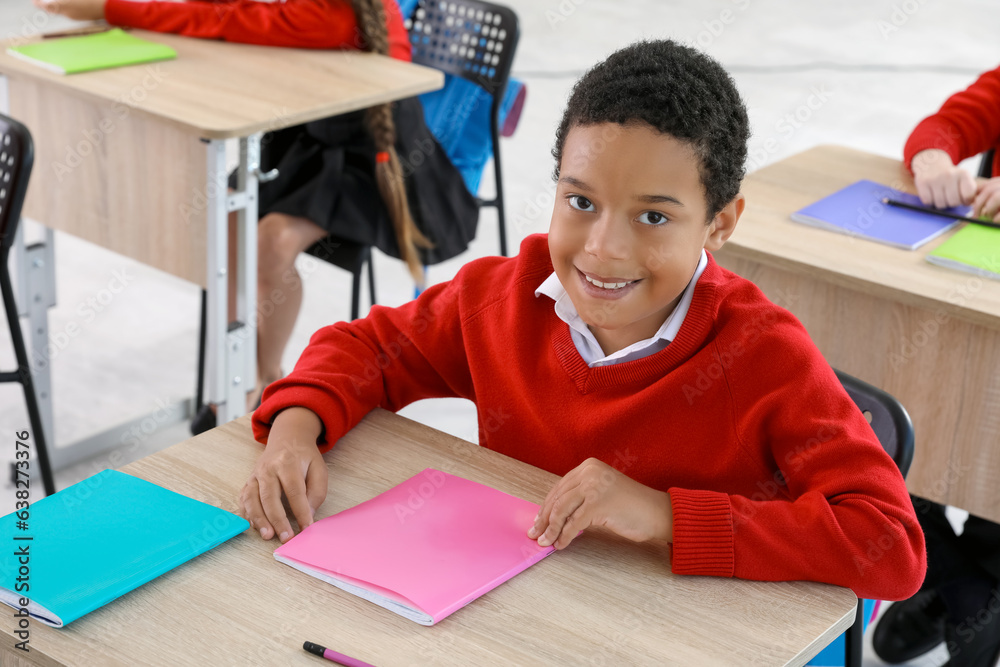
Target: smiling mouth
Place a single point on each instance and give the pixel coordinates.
(608, 285)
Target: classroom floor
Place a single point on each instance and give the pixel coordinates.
(856, 72)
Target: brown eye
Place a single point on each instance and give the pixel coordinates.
(581, 203)
(653, 218)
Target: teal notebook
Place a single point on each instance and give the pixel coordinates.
(974, 248)
(70, 55)
(99, 539)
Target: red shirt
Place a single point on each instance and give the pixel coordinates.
(967, 124)
(309, 24)
(773, 472)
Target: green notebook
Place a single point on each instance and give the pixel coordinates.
(974, 248)
(70, 55)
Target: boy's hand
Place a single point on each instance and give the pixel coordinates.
(939, 182)
(595, 494)
(78, 10)
(291, 464)
(987, 201)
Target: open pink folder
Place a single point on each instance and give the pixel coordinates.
(422, 549)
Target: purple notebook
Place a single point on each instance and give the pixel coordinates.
(858, 210)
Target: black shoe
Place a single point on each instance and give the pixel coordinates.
(203, 421)
(910, 628)
(975, 641)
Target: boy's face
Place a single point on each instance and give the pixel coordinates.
(630, 209)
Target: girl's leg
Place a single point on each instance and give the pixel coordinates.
(279, 289)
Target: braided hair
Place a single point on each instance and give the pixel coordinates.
(374, 37)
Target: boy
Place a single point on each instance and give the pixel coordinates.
(617, 339)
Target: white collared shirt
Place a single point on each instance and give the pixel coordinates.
(586, 343)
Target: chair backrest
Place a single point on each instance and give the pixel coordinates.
(888, 418)
(17, 156)
(470, 39)
(986, 165)
(894, 429)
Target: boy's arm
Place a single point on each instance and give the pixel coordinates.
(836, 512)
(391, 358)
(316, 24)
(966, 125)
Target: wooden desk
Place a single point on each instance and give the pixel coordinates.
(928, 335)
(133, 159)
(603, 601)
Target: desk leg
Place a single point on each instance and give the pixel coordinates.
(40, 295)
(36, 293)
(36, 279)
(231, 346)
(244, 203)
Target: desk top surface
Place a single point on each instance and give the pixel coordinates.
(604, 600)
(220, 90)
(767, 234)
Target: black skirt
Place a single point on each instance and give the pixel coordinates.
(327, 175)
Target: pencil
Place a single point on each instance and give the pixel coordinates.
(79, 32)
(944, 214)
(333, 656)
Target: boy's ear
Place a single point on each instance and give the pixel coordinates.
(724, 223)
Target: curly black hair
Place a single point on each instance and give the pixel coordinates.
(678, 91)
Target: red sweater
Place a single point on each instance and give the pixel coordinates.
(967, 124)
(772, 471)
(310, 24)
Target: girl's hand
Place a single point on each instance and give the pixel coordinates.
(939, 182)
(78, 10)
(595, 494)
(291, 464)
(987, 201)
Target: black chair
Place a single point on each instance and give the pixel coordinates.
(474, 41)
(469, 39)
(894, 429)
(17, 156)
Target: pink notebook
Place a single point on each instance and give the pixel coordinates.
(422, 549)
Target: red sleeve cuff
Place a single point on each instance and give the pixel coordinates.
(703, 533)
(305, 397)
(934, 132)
